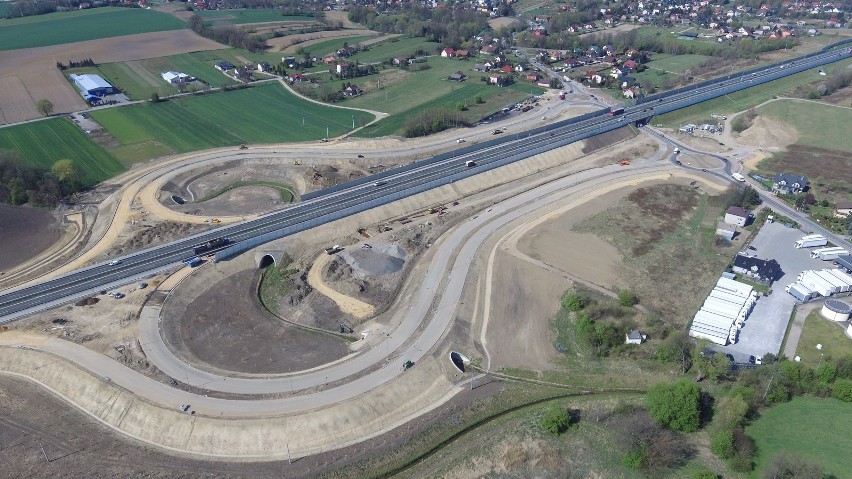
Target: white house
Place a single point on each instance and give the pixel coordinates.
(844, 209)
(176, 78)
(635, 337)
(737, 216)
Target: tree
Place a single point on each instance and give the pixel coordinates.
(155, 97)
(785, 466)
(45, 107)
(574, 301)
(65, 172)
(555, 420)
(677, 348)
(722, 444)
(676, 405)
(842, 390)
(626, 298)
(704, 474)
(730, 412)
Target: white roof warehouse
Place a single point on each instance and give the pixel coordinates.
(90, 84)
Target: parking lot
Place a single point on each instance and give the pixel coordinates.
(765, 327)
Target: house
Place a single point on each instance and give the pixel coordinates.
(520, 67)
(481, 68)
(462, 54)
(400, 61)
(352, 90)
(448, 53)
(297, 77)
(289, 62)
(764, 271)
(532, 77)
(224, 66)
(844, 209)
(342, 67)
(789, 184)
(499, 80)
(457, 76)
(726, 231)
(630, 64)
(264, 67)
(176, 78)
(594, 76)
(736, 215)
(507, 69)
(488, 50)
(635, 337)
(631, 92)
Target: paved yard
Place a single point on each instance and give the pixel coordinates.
(765, 327)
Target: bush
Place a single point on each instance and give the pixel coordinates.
(574, 301)
(636, 459)
(842, 390)
(704, 474)
(626, 298)
(676, 405)
(555, 420)
(722, 444)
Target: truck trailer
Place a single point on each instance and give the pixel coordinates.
(829, 254)
(811, 241)
(616, 111)
(839, 286)
(845, 277)
(799, 291)
(816, 284)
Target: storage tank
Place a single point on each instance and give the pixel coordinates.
(836, 310)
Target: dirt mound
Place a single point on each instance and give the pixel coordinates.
(768, 133)
(87, 302)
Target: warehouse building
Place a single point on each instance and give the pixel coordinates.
(92, 85)
(724, 312)
(176, 78)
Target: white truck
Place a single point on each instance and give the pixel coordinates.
(811, 241)
(828, 254)
(469, 163)
(816, 284)
(738, 177)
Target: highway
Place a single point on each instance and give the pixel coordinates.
(337, 202)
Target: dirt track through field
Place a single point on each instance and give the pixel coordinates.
(347, 304)
(143, 73)
(291, 43)
(36, 69)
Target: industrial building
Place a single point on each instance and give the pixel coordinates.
(92, 85)
(176, 78)
(724, 312)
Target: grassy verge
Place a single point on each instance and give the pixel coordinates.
(743, 99)
(81, 25)
(817, 124)
(276, 283)
(285, 191)
(818, 330)
(42, 143)
(760, 288)
(790, 428)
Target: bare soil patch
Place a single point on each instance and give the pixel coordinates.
(291, 43)
(24, 233)
(15, 101)
(36, 67)
(502, 22)
(208, 331)
(78, 446)
(768, 133)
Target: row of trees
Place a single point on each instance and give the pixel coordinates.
(433, 120)
(21, 183)
(86, 62)
(448, 26)
(227, 34)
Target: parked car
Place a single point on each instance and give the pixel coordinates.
(114, 262)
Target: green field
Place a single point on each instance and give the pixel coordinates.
(129, 81)
(82, 25)
(676, 63)
(434, 90)
(744, 99)
(818, 330)
(816, 429)
(44, 142)
(394, 47)
(263, 114)
(818, 124)
(331, 46)
(242, 16)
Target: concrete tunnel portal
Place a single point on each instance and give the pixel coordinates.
(267, 258)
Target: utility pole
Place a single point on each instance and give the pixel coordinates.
(289, 459)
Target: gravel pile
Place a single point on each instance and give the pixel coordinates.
(376, 261)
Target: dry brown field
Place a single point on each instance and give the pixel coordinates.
(291, 43)
(35, 68)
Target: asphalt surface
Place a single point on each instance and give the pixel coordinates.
(364, 194)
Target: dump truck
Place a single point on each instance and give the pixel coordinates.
(193, 262)
(616, 111)
(211, 245)
(811, 241)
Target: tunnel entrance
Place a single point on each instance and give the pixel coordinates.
(265, 261)
(460, 361)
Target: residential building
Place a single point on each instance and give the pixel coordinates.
(736, 215)
(844, 209)
(635, 337)
(789, 184)
(764, 271)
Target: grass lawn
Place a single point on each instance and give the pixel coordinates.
(760, 288)
(394, 47)
(818, 330)
(819, 125)
(241, 16)
(81, 25)
(744, 99)
(42, 143)
(676, 63)
(331, 46)
(198, 65)
(816, 429)
(263, 114)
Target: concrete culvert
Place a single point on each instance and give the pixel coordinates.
(266, 261)
(178, 200)
(460, 361)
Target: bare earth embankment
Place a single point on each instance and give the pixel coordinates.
(24, 233)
